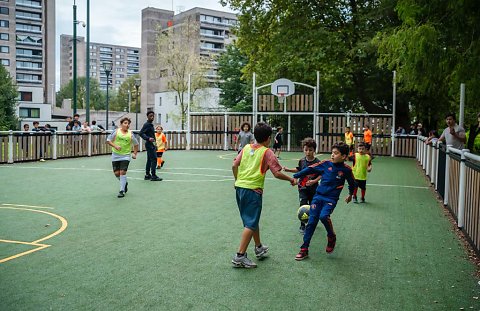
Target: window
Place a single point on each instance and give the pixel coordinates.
(159, 103)
(29, 78)
(26, 27)
(3, 23)
(3, 10)
(29, 53)
(176, 100)
(29, 113)
(29, 65)
(4, 36)
(166, 118)
(26, 96)
(159, 117)
(4, 49)
(28, 15)
(5, 62)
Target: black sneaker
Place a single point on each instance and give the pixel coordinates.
(302, 228)
(147, 177)
(163, 162)
(362, 200)
(126, 187)
(355, 200)
(121, 194)
(156, 178)
(158, 167)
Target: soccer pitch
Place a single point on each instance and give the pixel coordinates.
(68, 243)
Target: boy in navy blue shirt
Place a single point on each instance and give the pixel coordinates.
(334, 172)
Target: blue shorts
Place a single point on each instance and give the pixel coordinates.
(250, 206)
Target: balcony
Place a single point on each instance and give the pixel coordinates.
(29, 4)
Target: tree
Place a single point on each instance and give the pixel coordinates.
(436, 48)
(8, 98)
(97, 98)
(235, 93)
(294, 39)
(177, 58)
(126, 98)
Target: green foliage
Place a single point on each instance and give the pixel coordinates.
(436, 48)
(97, 98)
(235, 92)
(121, 100)
(8, 98)
(294, 39)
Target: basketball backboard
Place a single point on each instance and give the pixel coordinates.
(283, 87)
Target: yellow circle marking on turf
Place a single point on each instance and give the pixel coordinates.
(39, 246)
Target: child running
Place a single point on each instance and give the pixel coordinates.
(121, 141)
(308, 184)
(249, 169)
(362, 163)
(162, 145)
(334, 172)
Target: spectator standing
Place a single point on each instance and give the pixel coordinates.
(473, 137)
(420, 130)
(39, 139)
(454, 134)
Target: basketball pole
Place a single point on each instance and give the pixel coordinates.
(394, 105)
(254, 101)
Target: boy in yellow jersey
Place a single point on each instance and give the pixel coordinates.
(349, 141)
(249, 169)
(121, 141)
(362, 163)
(162, 144)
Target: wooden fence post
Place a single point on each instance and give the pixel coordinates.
(10, 147)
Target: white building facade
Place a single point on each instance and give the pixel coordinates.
(167, 106)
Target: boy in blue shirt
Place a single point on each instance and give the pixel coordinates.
(334, 172)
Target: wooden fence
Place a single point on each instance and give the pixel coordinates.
(455, 174)
(33, 146)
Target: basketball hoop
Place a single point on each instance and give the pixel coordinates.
(281, 97)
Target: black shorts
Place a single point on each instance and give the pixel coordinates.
(305, 195)
(120, 165)
(367, 146)
(277, 146)
(362, 184)
(159, 154)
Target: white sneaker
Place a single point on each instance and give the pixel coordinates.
(243, 262)
(261, 251)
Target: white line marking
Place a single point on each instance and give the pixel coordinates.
(187, 181)
(399, 186)
(20, 205)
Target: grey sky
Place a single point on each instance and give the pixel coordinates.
(116, 21)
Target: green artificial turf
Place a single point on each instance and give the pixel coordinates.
(168, 245)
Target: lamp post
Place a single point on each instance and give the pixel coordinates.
(107, 67)
(87, 81)
(75, 23)
(137, 85)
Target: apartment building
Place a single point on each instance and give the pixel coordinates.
(214, 34)
(27, 50)
(125, 61)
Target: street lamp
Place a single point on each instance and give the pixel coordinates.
(75, 23)
(137, 85)
(107, 67)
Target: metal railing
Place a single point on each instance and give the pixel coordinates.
(455, 174)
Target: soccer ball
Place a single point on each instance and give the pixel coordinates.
(303, 213)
